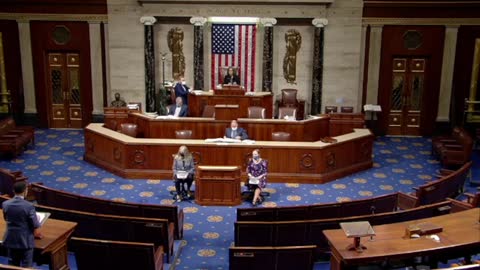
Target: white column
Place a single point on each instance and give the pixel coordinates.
(449, 48)
(374, 57)
(96, 66)
(362, 67)
(27, 66)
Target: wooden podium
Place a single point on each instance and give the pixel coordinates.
(218, 185)
(53, 245)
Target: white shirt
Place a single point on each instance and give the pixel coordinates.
(177, 111)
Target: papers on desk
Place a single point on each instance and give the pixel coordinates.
(42, 217)
(372, 108)
(197, 92)
(132, 106)
(165, 117)
(228, 140)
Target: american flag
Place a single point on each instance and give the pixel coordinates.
(234, 45)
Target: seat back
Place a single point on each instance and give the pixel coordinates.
(289, 97)
(287, 111)
(208, 111)
(280, 136)
(183, 134)
(331, 109)
(111, 124)
(129, 129)
(346, 109)
(256, 112)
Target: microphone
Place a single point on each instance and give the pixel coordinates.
(372, 209)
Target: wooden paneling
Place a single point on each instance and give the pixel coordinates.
(42, 43)
(307, 163)
(13, 67)
(257, 129)
(393, 46)
(55, 6)
(217, 185)
(197, 103)
(463, 70)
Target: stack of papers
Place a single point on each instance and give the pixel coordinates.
(254, 180)
(223, 140)
(42, 217)
(165, 117)
(132, 106)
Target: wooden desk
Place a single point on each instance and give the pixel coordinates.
(303, 162)
(460, 236)
(218, 185)
(54, 241)
(196, 102)
(309, 130)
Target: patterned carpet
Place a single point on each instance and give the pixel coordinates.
(57, 161)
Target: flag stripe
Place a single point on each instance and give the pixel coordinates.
(234, 45)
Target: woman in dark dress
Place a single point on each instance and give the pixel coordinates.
(257, 170)
(231, 77)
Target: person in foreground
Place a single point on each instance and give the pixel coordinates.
(178, 109)
(22, 227)
(183, 172)
(231, 78)
(235, 132)
(257, 169)
(181, 90)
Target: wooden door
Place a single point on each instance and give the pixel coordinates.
(64, 90)
(406, 97)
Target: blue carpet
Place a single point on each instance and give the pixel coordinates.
(57, 161)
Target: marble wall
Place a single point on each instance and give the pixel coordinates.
(342, 46)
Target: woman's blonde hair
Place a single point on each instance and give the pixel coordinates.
(184, 149)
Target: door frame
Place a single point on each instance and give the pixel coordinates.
(42, 44)
(393, 46)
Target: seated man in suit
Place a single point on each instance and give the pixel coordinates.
(179, 109)
(231, 78)
(181, 90)
(235, 132)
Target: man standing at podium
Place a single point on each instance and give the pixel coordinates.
(235, 132)
(22, 227)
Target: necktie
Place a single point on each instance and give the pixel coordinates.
(234, 134)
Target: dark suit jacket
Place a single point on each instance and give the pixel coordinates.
(21, 220)
(240, 132)
(183, 111)
(231, 79)
(182, 91)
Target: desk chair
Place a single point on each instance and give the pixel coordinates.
(129, 129)
(331, 109)
(346, 109)
(183, 134)
(208, 111)
(280, 136)
(287, 111)
(256, 112)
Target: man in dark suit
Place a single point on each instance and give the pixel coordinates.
(235, 132)
(181, 90)
(22, 227)
(178, 109)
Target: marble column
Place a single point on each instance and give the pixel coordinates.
(374, 57)
(27, 66)
(267, 70)
(198, 63)
(449, 48)
(150, 103)
(96, 66)
(317, 72)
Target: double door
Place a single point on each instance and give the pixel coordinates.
(406, 98)
(64, 90)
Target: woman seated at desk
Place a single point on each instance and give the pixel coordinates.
(257, 169)
(231, 78)
(183, 172)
